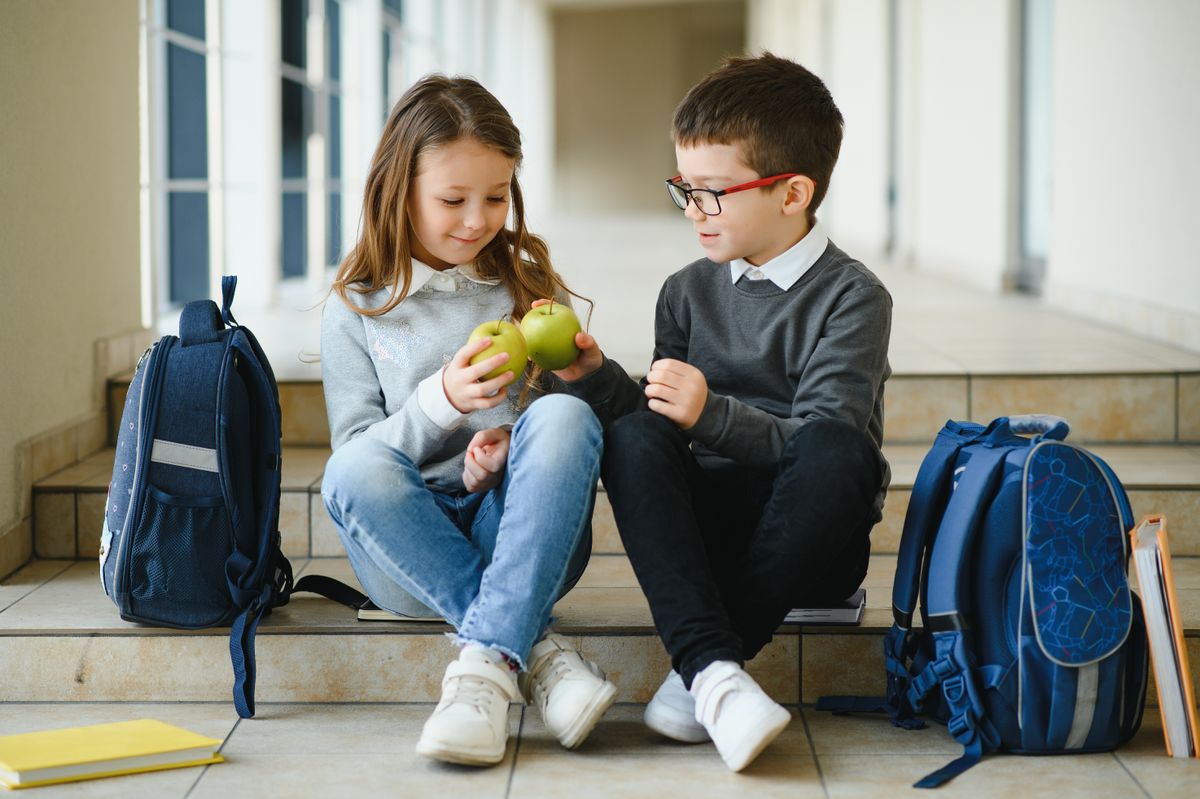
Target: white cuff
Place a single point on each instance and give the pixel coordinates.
(432, 399)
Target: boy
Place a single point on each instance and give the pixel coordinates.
(745, 471)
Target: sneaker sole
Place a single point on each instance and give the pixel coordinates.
(663, 724)
(448, 753)
(745, 755)
(578, 731)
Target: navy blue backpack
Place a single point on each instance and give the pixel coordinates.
(1031, 641)
(191, 527)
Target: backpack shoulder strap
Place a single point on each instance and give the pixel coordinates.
(952, 667)
(920, 523)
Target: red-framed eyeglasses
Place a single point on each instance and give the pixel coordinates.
(706, 200)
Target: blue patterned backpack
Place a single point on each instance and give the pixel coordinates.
(191, 527)
(1031, 641)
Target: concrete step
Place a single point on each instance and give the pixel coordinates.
(69, 505)
(1157, 406)
(62, 640)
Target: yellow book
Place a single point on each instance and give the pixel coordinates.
(1164, 629)
(100, 750)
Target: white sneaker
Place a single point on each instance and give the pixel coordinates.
(470, 723)
(672, 712)
(739, 717)
(570, 692)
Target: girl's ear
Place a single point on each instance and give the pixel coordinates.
(800, 190)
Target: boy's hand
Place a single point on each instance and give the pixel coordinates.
(590, 357)
(484, 463)
(677, 390)
(460, 380)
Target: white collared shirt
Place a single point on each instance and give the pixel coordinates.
(444, 279)
(790, 265)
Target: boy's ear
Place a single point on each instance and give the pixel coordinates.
(800, 191)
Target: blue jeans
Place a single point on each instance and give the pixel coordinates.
(492, 563)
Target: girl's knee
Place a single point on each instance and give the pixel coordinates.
(564, 415)
(365, 466)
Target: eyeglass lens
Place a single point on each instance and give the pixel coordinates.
(706, 202)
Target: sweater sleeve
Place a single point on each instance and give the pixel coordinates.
(609, 390)
(354, 397)
(841, 381)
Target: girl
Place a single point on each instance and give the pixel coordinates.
(446, 490)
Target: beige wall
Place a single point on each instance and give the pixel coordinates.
(619, 73)
(1125, 172)
(69, 224)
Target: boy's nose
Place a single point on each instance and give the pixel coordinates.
(693, 212)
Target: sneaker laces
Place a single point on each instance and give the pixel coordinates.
(470, 690)
(550, 672)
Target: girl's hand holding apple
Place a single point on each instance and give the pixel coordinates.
(461, 379)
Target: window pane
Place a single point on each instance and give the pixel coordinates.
(335, 136)
(295, 234)
(186, 16)
(395, 6)
(334, 256)
(387, 68)
(187, 117)
(333, 28)
(187, 234)
(297, 124)
(293, 25)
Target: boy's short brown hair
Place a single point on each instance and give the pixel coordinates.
(781, 114)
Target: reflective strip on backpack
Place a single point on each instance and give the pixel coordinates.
(184, 455)
(1087, 681)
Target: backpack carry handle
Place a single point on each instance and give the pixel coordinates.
(202, 322)
(1043, 424)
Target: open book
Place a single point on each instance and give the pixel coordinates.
(1164, 628)
(100, 750)
(849, 611)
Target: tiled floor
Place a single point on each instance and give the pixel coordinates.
(339, 750)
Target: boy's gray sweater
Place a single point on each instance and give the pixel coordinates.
(774, 359)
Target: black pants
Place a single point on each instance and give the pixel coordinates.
(723, 551)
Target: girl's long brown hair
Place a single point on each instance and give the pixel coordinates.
(434, 112)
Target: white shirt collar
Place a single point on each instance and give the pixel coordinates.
(789, 266)
(445, 279)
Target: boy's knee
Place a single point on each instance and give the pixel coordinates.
(638, 427)
(831, 444)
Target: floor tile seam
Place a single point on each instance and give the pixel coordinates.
(812, 749)
(512, 769)
(220, 749)
(57, 574)
(1132, 776)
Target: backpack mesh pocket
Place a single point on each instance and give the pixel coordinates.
(177, 560)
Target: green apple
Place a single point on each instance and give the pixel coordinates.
(506, 337)
(550, 333)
